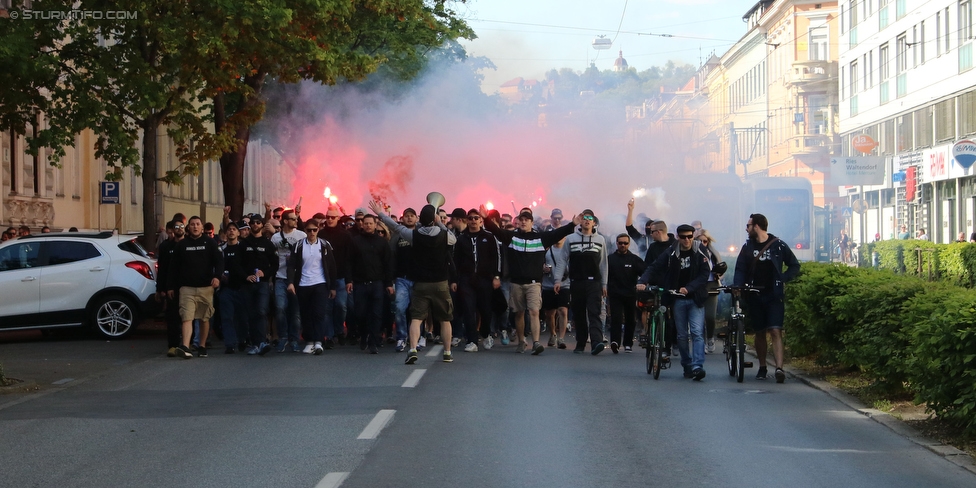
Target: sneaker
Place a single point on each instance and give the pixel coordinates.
(401, 345)
(537, 348)
(373, 350)
(448, 357)
(710, 347)
(264, 348)
(471, 347)
(577, 351)
(229, 350)
(628, 349)
(282, 345)
(318, 349)
(171, 352)
(329, 344)
(614, 347)
(689, 373)
(252, 350)
(505, 340)
(455, 342)
(598, 348)
(761, 375)
(780, 375)
(552, 341)
(488, 343)
(422, 343)
(561, 343)
(674, 351)
(697, 374)
(294, 346)
(183, 352)
(437, 340)
(411, 357)
(201, 352)
(309, 348)
(520, 348)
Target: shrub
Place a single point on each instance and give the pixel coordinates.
(814, 328)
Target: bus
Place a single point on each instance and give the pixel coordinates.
(788, 204)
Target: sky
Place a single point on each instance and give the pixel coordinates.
(528, 37)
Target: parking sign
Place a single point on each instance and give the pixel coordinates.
(109, 192)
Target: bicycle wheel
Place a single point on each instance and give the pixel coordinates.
(730, 347)
(658, 344)
(740, 339)
(649, 345)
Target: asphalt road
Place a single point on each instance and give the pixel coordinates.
(131, 417)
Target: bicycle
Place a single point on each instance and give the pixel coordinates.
(652, 338)
(735, 336)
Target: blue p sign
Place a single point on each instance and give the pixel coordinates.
(109, 192)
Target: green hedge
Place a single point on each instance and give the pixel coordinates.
(953, 263)
(902, 332)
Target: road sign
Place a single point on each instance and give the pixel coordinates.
(110, 192)
(846, 212)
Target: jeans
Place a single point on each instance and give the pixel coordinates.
(687, 315)
(586, 302)
(287, 315)
(257, 296)
(312, 302)
(233, 315)
(369, 310)
(335, 310)
(404, 288)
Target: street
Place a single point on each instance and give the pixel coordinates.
(131, 416)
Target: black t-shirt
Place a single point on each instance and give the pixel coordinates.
(765, 274)
(684, 276)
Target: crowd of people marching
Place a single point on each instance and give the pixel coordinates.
(470, 279)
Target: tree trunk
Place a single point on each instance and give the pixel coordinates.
(232, 174)
(150, 184)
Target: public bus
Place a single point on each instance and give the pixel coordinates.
(788, 204)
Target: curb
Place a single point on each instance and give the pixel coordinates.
(951, 454)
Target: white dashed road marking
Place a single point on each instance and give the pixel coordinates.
(332, 480)
(372, 430)
(435, 351)
(414, 378)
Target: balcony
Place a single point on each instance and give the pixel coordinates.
(810, 144)
(812, 75)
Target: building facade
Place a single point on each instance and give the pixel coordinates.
(906, 88)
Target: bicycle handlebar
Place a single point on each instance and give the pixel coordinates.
(734, 288)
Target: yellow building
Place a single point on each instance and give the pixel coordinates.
(37, 194)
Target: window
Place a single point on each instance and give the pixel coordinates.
(19, 256)
(900, 8)
(853, 13)
(818, 43)
(869, 69)
(855, 77)
(967, 114)
(64, 252)
(901, 53)
(945, 120)
(887, 139)
(923, 126)
(920, 41)
(905, 130)
(883, 68)
(945, 32)
(914, 46)
(938, 33)
(965, 21)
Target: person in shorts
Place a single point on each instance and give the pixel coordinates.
(197, 265)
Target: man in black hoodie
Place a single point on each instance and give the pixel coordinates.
(341, 240)
(231, 298)
(525, 254)
(261, 264)
(371, 263)
(625, 268)
(684, 268)
(663, 241)
(196, 269)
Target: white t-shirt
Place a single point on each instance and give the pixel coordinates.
(284, 247)
(312, 272)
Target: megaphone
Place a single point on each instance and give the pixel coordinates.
(436, 199)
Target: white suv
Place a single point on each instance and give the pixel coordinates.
(72, 279)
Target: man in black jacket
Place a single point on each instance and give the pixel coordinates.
(371, 266)
(261, 264)
(477, 255)
(684, 268)
(663, 241)
(197, 267)
(174, 325)
(231, 297)
(341, 240)
(625, 268)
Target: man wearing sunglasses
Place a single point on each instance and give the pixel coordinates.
(174, 325)
(684, 268)
(287, 315)
(336, 308)
(478, 257)
(624, 268)
(587, 254)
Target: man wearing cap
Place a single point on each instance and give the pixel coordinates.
(684, 268)
(587, 254)
(526, 256)
(230, 298)
(403, 285)
(458, 221)
(430, 263)
(555, 220)
(261, 264)
(477, 255)
(642, 241)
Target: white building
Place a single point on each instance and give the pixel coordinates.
(906, 81)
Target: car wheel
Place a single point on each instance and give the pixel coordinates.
(113, 317)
